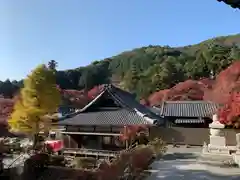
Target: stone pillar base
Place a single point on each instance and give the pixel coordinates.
(218, 149)
(236, 158)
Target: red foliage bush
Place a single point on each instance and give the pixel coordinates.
(224, 90)
(130, 131)
(6, 108)
(157, 97)
(190, 89)
(230, 112)
(140, 159)
(80, 98)
(187, 90)
(76, 98)
(94, 92)
(218, 90)
(226, 82)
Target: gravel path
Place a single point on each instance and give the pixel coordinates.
(181, 163)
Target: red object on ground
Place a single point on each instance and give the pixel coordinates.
(56, 145)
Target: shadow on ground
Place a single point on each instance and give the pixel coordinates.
(174, 156)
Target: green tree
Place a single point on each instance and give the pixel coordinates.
(234, 53)
(38, 99)
(202, 65)
(131, 79)
(219, 58)
(144, 87)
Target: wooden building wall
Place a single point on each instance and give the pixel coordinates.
(190, 136)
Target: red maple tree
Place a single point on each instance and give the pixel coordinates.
(130, 132)
(79, 98)
(218, 90)
(94, 92)
(229, 114)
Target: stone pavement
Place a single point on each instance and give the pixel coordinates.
(182, 164)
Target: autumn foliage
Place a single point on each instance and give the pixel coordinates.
(187, 90)
(79, 98)
(39, 97)
(130, 132)
(220, 90)
(227, 82)
(223, 90)
(229, 114)
(76, 98)
(6, 107)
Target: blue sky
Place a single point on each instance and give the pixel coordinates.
(77, 32)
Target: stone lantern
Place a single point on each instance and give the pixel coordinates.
(216, 127)
(217, 138)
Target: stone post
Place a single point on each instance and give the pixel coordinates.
(236, 157)
(238, 141)
(205, 148)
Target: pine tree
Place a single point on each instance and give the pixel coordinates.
(38, 99)
(52, 64)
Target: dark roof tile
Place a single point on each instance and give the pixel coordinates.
(131, 111)
(106, 117)
(186, 109)
(189, 121)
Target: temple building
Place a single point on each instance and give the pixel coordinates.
(186, 113)
(98, 125)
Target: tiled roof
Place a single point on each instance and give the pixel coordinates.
(106, 117)
(186, 109)
(232, 3)
(130, 111)
(128, 100)
(189, 121)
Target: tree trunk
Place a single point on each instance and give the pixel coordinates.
(1, 165)
(36, 142)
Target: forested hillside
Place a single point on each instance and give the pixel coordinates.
(149, 69)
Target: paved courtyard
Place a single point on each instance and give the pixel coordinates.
(182, 163)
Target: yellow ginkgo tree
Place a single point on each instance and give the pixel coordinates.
(38, 99)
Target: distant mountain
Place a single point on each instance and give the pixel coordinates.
(221, 40)
(149, 69)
